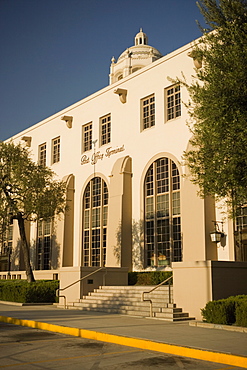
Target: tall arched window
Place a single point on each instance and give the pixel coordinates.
(162, 214)
(95, 209)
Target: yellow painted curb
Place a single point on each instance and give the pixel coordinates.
(221, 358)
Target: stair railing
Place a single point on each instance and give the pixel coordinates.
(77, 281)
(156, 287)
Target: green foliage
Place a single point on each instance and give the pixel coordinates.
(148, 278)
(27, 188)
(219, 312)
(218, 110)
(241, 312)
(23, 292)
(28, 191)
(232, 310)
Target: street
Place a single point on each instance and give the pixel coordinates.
(27, 349)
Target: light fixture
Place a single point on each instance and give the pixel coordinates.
(68, 120)
(216, 235)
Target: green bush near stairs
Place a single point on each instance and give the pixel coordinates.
(229, 311)
(148, 278)
(41, 291)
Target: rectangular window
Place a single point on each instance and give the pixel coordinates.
(87, 137)
(105, 129)
(56, 150)
(42, 154)
(148, 112)
(173, 102)
(44, 233)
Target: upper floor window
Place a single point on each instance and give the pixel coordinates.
(173, 102)
(105, 129)
(148, 112)
(56, 150)
(42, 154)
(87, 136)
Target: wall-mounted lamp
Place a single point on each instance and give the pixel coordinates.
(122, 94)
(27, 139)
(217, 235)
(68, 120)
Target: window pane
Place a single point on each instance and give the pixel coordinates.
(148, 112)
(87, 137)
(105, 129)
(176, 203)
(56, 150)
(95, 213)
(162, 229)
(163, 205)
(173, 102)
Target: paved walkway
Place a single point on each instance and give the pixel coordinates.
(209, 344)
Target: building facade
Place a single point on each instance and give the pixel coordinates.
(131, 207)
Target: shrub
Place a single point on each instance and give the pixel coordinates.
(132, 278)
(42, 291)
(148, 278)
(219, 312)
(241, 312)
(232, 310)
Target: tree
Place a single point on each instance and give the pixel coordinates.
(217, 156)
(28, 191)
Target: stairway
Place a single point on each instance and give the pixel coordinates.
(127, 300)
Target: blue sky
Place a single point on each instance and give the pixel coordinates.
(56, 52)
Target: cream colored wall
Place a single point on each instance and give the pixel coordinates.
(164, 139)
(198, 282)
(192, 283)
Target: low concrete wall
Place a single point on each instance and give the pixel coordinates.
(38, 275)
(106, 276)
(198, 282)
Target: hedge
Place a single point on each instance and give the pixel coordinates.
(41, 291)
(229, 311)
(148, 278)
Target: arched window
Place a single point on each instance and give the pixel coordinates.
(241, 234)
(162, 214)
(95, 209)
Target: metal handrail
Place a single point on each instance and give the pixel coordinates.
(77, 281)
(156, 287)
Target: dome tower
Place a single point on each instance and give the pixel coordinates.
(133, 58)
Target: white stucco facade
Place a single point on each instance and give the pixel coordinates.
(132, 146)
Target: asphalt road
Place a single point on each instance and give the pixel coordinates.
(28, 349)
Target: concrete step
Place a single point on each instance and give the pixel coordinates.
(127, 300)
(128, 307)
(127, 297)
(133, 291)
(164, 295)
(140, 313)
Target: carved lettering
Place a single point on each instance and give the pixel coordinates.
(110, 151)
(99, 156)
(96, 157)
(85, 159)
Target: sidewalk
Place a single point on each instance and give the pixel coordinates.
(183, 339)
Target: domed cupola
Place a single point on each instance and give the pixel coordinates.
(133, 58)
(141, 38)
